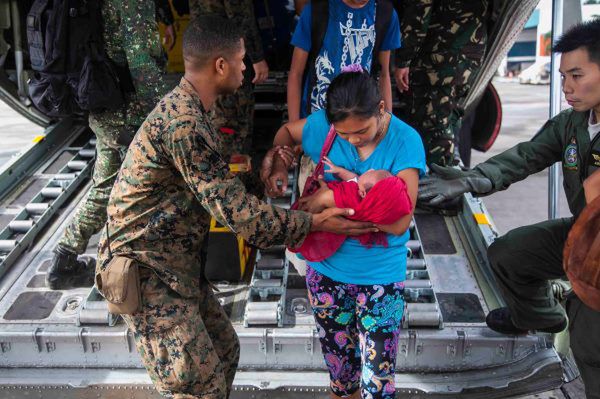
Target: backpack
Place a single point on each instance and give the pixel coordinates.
(72, 73)
(383, 16)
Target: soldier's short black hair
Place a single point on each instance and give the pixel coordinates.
(585, 34)
(208, 37)
(352, 94)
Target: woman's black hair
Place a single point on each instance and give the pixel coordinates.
(352, 94)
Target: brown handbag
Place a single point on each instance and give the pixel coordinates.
(119, 283)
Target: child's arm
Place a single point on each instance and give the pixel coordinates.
(343, 174)
(385, 81)
(411, 178)
(294, 83)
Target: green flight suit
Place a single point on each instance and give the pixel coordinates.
(524, 259)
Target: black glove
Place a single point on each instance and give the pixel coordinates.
(446, 183)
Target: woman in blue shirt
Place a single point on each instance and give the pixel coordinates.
(357, 293)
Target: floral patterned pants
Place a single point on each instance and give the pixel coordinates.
(358, 327)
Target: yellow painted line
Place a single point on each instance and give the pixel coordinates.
(37, 139)
(481, 218)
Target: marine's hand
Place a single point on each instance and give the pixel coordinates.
(261, 72)
(333, 221)
(281, 157)
(447, 183)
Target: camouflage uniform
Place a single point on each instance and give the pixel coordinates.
(171, 182)
(233, 113)
(131, 40)
(443, 43)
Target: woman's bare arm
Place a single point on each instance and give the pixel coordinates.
(411, 178)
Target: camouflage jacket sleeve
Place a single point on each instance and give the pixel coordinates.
(414, 23)
(163, 12)
(242, 12)
(526, 158)
(142, 47)
(224, 196)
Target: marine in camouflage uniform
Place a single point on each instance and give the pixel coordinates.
(171, 182)
(131, 40)
(443, 44)
(233, 114)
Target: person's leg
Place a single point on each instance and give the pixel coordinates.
(523, 260)
(66, 270)
(427, 109)
(379, 317)
(333, 306)
(222, 334)
(584, 333)
(174, 344)
(232, 117)
(91, 213)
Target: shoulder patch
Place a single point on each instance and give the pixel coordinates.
(571, 158)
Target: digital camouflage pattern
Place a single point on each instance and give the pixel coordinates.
(443, 44)
(131, 36)
(171, 182)
(188, 345)
(233, 114)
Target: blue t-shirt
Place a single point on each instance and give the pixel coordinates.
(400, 149)
(349, 39)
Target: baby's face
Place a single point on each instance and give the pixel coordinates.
(367, 180)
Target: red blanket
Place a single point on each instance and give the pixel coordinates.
(385, 203)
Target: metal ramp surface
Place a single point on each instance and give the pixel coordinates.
(65, 339)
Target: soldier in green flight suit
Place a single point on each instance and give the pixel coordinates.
(172, 181)
(524, 259)
(132, 43)
(233, 114)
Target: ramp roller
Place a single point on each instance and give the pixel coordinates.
(52, 192)
(87, 153)
(21, 226)
(8, 245)
(77, 165)
(36, 208)
(417, 284)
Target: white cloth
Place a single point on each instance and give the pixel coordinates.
(593, 125)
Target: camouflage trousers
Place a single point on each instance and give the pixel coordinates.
(431, 106)
(91, 213)
(187, 345)
(232, 115)
(429, 109)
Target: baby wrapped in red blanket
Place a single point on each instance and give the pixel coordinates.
(376, 196)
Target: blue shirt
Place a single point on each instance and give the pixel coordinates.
(400, 149)
(349, 39)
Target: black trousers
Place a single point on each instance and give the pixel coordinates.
(523, 260)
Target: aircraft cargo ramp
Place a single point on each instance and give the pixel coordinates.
(65, 344)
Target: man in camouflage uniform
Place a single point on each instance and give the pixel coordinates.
(132, 43)
(233, 114)
(443, 43)
(172, 181)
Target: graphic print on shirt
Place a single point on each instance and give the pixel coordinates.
(356, 40)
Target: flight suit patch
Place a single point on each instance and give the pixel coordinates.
(595, 159)
(571, 158)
